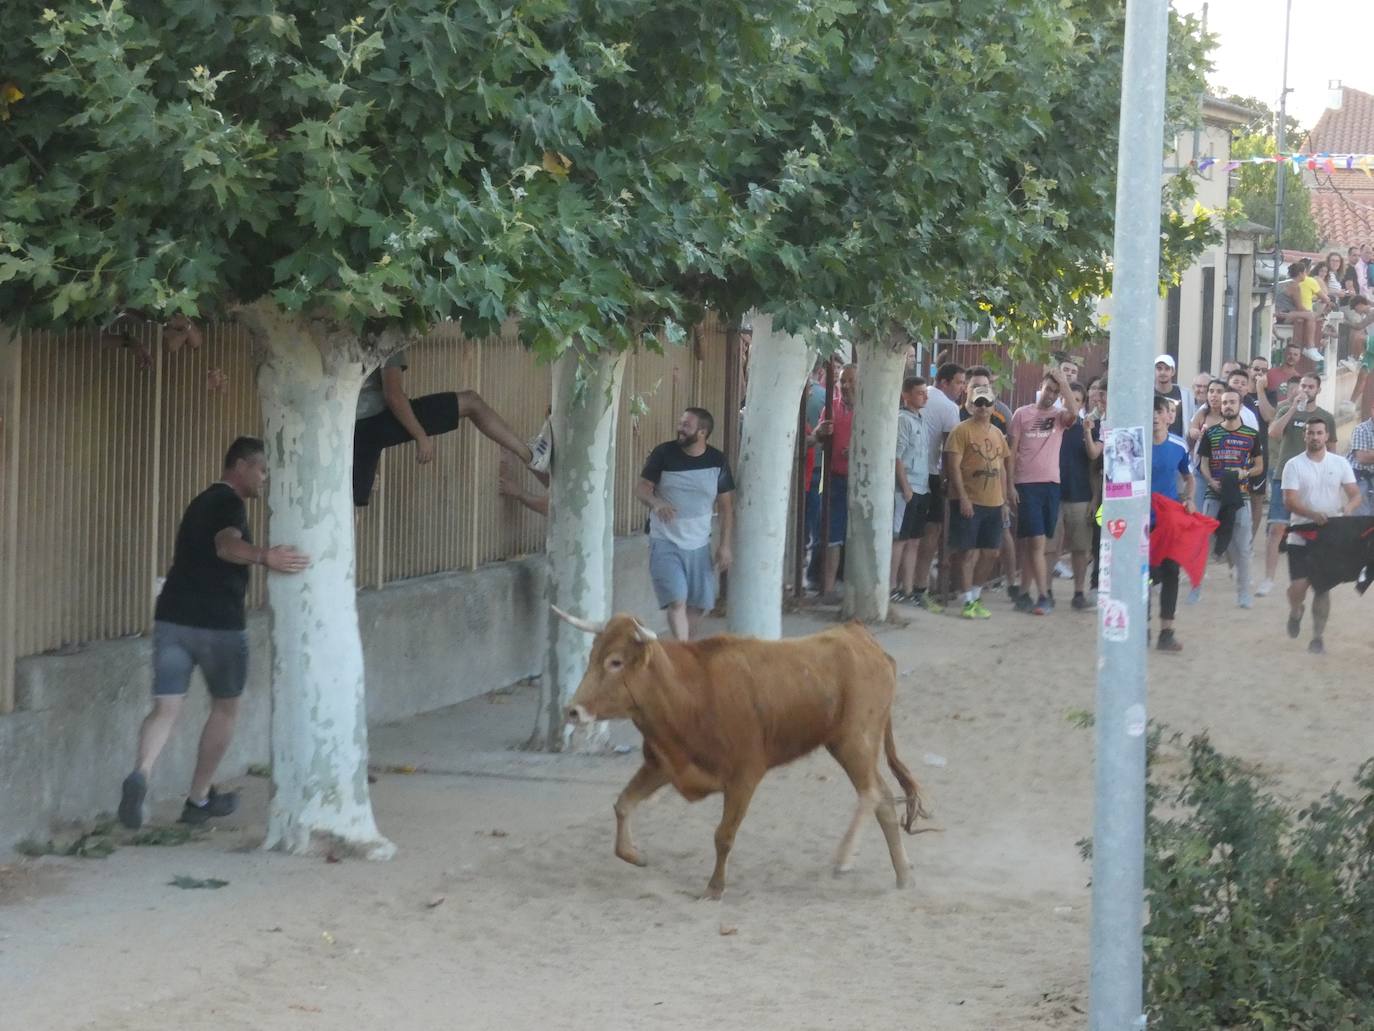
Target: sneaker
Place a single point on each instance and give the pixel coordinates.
(1043, 607)
(1168, 642)
(131, 798)
(1265, 586)
(1295, 623)
(1080, 601)
(980, 610)
(899, 596)
(1314, 354)
(1023, 602)
(1194, 596)
(925, 601)
(1063, 571)
(541, 448)
(1013, 592)
(1316, 647)
(970, 610)
(216, 804)
(1245, 601)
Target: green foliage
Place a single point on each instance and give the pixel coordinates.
(1256, 187)
(1261, 914)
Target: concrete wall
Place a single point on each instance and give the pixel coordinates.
(429, 642)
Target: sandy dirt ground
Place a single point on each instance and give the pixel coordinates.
(505, 908)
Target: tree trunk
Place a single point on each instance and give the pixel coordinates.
(778, 365)
(873, 477)
(581, 537)
(308, 381)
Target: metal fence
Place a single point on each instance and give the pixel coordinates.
(102, 450)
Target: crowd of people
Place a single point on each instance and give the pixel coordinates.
(1333, 296)
(1013, 498)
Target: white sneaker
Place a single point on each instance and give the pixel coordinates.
(541, 448)
(1063, 571)
(1314, 354)
(1265, 586)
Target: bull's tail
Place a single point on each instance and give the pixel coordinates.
(911, 791)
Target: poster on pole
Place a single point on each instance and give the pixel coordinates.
(1125, 458)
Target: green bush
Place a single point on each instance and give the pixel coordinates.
(1261, 915)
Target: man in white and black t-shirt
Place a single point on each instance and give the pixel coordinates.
(684, 482)
(1317, 486)
(200, 622)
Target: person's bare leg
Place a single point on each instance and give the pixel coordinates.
(693, 623)
(910, 551)
(982, 568)
(925, 555)
(1297, 594)
(1321, 612)
(490, 424)
(156, 728)
(894, 580)
(964, 563)
(1271, 556)
(1009, 558)
(214, 742)
(831, 568)
(1079, 561)
(677, 621)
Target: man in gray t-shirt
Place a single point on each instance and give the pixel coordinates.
(387, 417)
(684, 482)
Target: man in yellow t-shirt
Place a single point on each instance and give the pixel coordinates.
(976, 460)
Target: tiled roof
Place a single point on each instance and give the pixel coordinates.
(1343, 201)
(1347, 131)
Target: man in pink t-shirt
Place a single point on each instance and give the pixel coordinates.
(1035, 435)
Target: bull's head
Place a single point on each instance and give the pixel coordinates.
(621, 647)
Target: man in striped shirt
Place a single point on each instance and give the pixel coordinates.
(1229, 455)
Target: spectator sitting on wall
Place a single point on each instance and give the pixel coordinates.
(387, 417)
(1292, 308)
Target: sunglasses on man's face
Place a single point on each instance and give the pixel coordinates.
(982, 402)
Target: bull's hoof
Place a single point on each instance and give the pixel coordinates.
(904, 881)
(713, 893)
(632, 856)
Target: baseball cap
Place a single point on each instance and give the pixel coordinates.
(1167, 359)
(981, 392)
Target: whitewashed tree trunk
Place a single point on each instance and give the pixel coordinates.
(581, 537)
(308, 380)
(873, 477)
(778, 365)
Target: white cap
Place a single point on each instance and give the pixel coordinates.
(1167, 359)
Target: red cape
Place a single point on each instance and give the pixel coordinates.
(1180, 535)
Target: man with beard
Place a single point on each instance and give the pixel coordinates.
(1228, 456)
(1316, 486)
(684, 481)
(1287, 436)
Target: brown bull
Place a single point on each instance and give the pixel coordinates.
(718, 713)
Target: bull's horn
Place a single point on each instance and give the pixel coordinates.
(644, 633)
(582, 624)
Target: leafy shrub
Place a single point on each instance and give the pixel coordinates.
(1261, 914)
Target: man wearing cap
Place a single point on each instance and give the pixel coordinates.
(1037, 431)
(1165, 370)
(977, 457)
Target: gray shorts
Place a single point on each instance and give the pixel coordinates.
(222, 656)
(682, 576)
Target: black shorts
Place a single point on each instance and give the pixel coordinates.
(437, 413)
(981, 530)
(1299, 562)
(920, 512)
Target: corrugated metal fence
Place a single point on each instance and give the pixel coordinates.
(101, 452)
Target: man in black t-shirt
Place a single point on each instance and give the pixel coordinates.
(199, 621)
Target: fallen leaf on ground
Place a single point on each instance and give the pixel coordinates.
(726, 930)
(304, 1008)
(438, 900)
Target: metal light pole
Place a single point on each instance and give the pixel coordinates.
(1280, 141)
(1116, 992)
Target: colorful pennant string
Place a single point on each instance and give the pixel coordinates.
(1311, 162)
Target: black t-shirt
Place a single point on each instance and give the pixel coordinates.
(203, 590)
(1175, 393)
